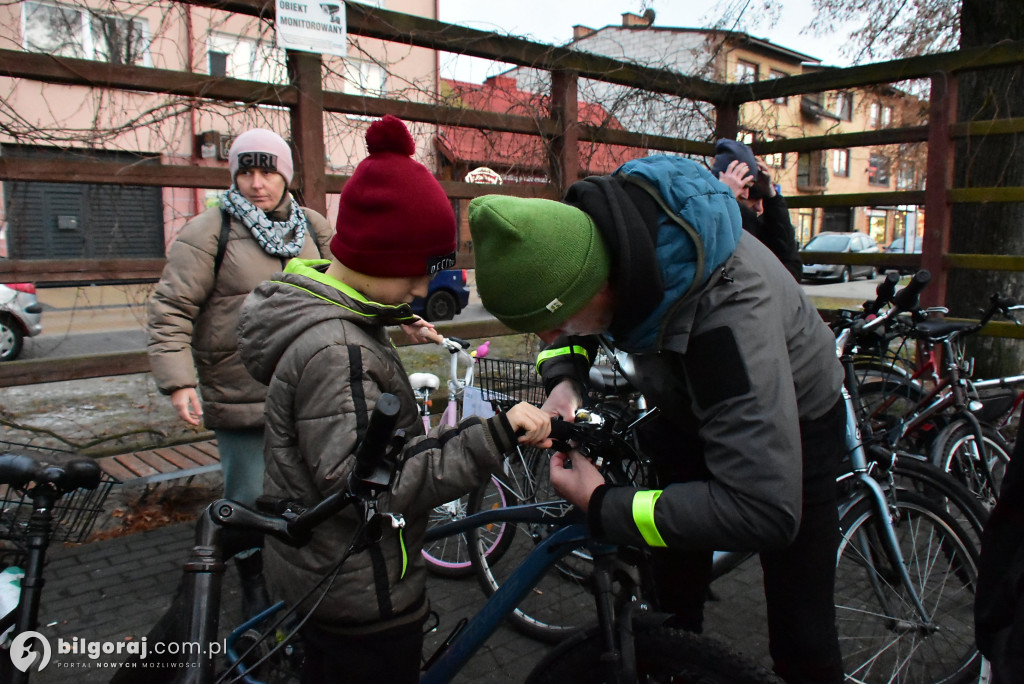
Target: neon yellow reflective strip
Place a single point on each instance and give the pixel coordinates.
(405, 557)
(561, 351)
(643, 516)
(304, 267)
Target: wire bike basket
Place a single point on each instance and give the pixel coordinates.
(74, 514)
(505, 382)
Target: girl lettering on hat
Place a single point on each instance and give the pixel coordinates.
(316, 334)
(216, 260)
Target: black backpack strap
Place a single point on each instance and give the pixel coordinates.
(222, 241)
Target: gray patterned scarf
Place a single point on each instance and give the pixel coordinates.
(269, 234)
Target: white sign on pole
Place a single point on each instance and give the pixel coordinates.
(312, 26)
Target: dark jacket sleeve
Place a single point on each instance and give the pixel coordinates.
(776, 232)
(567, 357)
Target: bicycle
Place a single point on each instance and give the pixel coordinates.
(40, 503)
(907, 529)
(449, 557)
(948, 421)
(631, 640)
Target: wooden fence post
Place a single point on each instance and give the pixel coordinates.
(565, 155)
(307, 122)
(939, 181)
(727, 120)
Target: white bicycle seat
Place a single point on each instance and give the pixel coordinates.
(424, 381)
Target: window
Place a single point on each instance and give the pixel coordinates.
(246, 58)
(878, 170)
(776, 160)
(85, 33)
(746, 72)
(906, 179)
(879, 116)
(810, 171)
(841, 163)
(364, 78)
(775, 73)
(842, 106)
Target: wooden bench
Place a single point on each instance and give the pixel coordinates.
(166, 463)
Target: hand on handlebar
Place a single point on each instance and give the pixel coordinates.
(422, 331)
(575, 478)
(535, 423)
(563, 401)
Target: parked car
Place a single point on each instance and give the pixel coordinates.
(897, 247)
(854, 242)
(20, 317)
(446, 298)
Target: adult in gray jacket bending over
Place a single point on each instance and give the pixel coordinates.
(727, 346)
(218, 258)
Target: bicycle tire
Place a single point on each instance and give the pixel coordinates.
(662, 654)
(919, 475)
(561, 603)
(952, 452)
(881, 635)
(899, 398)
(450, 556)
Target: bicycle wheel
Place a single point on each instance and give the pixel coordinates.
(450, 556)
(954, 451)
(885, 401)
(561, 602)
(662, 655)
(882, 636)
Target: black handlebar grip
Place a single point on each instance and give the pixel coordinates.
(561, 431)
(883, 293)
(461, 342)
(18, 469)
(81, 473)
(378, 435)
(907, 298)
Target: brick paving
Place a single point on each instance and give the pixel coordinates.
(110, 590)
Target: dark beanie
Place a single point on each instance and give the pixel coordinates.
(394, 220)
(538, 262)
(727, 151)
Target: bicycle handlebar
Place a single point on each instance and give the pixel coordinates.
(18, 470)
(883, 293)
(908, 298)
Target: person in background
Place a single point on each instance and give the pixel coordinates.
(762, 207)
(216, 260)
(317, 335)
(747, 443)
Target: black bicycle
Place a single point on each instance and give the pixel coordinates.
(40, 502)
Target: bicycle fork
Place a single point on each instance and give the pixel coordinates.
(880, 502)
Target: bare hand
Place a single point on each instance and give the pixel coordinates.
(421, 331)
(563, 401)
(535, 422)
(186, 402)
(737, 177)
(576, 484)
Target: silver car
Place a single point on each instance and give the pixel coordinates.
(854, 242)
(20, 317)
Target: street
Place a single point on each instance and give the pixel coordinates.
(95, 320)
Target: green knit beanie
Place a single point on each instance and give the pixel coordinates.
(538, 262)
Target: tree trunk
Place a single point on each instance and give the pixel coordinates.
(989, 161)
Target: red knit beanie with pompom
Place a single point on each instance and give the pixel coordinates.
(394, 221)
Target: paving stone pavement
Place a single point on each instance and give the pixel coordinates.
(115, 589)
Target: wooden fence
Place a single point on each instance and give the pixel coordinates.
(561, 128)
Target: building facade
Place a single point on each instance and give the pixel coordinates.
(51, 122)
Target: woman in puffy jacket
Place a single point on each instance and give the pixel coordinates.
(217, 259)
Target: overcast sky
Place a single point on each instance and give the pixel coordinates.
(551, 21)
